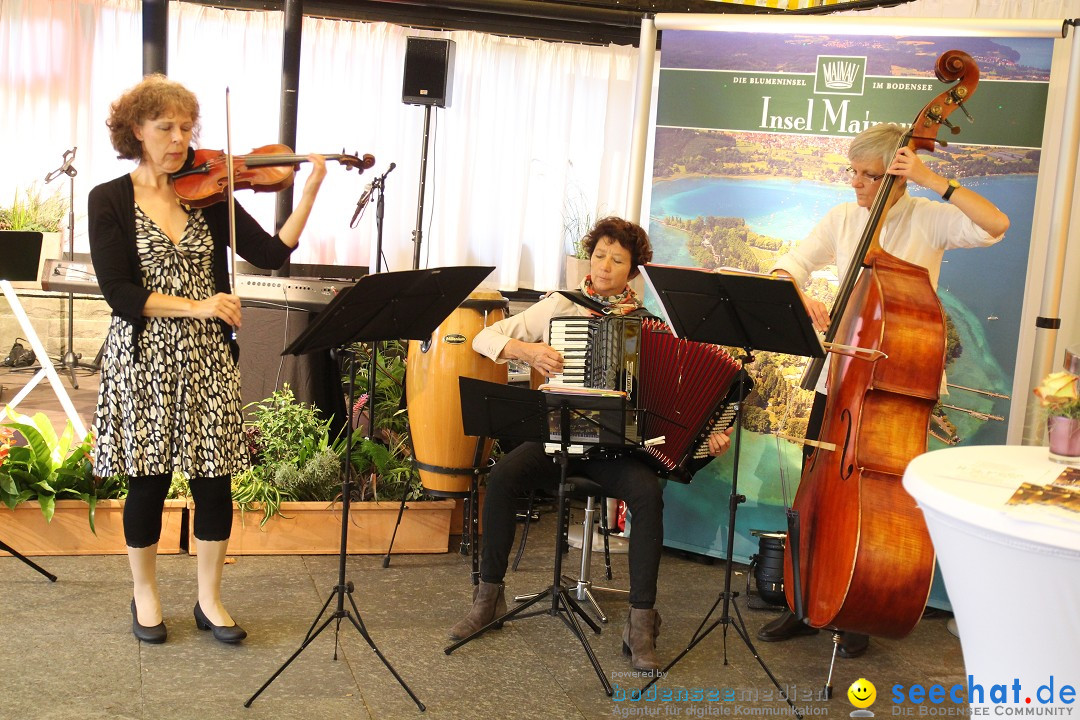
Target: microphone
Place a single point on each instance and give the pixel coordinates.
(362, 202)
(365, 198)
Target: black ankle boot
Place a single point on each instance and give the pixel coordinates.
(852, 645)
(784, 627)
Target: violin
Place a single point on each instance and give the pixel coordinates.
(269, 168)
(859, 556)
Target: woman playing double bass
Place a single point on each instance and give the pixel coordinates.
(917, 230)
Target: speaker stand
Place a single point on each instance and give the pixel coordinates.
(418, 233)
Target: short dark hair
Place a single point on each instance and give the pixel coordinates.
(630, 235)
(153, 97)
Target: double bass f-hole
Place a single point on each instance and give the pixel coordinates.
(847, 467)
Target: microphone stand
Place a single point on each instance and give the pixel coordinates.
(70, 360)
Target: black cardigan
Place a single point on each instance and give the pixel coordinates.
(111, 212)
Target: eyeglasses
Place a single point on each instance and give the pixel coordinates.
(863, 175)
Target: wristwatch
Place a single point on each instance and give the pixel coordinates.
(953, 184)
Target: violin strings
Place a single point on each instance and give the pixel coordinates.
(214, 162)
(285, 159)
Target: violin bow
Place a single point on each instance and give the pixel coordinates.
(229, 195)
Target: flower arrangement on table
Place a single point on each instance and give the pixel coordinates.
(1058, 394)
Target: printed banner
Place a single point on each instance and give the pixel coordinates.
(750, 153)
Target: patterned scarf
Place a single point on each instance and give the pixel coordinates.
(625, 302)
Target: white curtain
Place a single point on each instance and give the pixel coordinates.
(535, 139)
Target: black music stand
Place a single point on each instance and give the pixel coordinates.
(752, 312)
(502, 411)
(385, 306)
(22, 253)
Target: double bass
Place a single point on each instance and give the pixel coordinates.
(859, 557)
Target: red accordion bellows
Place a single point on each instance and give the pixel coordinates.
(682, 386)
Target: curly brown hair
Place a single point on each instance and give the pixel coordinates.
(630, 235)
(155, 96)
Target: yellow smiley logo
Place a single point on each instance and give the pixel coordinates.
(862, 693)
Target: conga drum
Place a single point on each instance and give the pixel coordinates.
(444, 454)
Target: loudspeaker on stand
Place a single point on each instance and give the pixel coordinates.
(429, 70)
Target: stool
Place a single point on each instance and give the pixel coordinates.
(582, 587)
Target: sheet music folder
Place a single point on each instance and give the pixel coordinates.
(738, 309)
(512, 413)
(405, 305)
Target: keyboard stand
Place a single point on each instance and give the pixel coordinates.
(47, 369)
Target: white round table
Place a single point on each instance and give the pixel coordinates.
(1012, 573)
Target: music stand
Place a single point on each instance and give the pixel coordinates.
(384, 306)
(507, 412)
(752, 312)
(22, 253)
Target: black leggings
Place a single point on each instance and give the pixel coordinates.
(146, 500)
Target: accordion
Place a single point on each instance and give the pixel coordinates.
(678, 391)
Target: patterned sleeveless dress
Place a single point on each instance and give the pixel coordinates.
(176, 408)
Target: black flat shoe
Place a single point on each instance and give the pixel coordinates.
(784, 627)
(154, 635)
(852, 645)
(222, 633)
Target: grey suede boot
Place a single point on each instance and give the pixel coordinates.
(639, 639)
(489, 603)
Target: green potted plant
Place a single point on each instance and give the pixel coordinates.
(389, 453)
(294, 484)
(48, 486)
(577, 217)
(34, 212)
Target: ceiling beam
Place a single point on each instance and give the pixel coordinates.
(586, 21)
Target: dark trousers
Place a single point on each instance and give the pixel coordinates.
(528, 467)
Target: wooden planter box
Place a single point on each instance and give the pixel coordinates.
(314, 528)
(25, 528)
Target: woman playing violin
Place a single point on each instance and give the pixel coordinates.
(917, 230)
(169, 400)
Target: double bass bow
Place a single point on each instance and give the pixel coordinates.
(859, 557)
